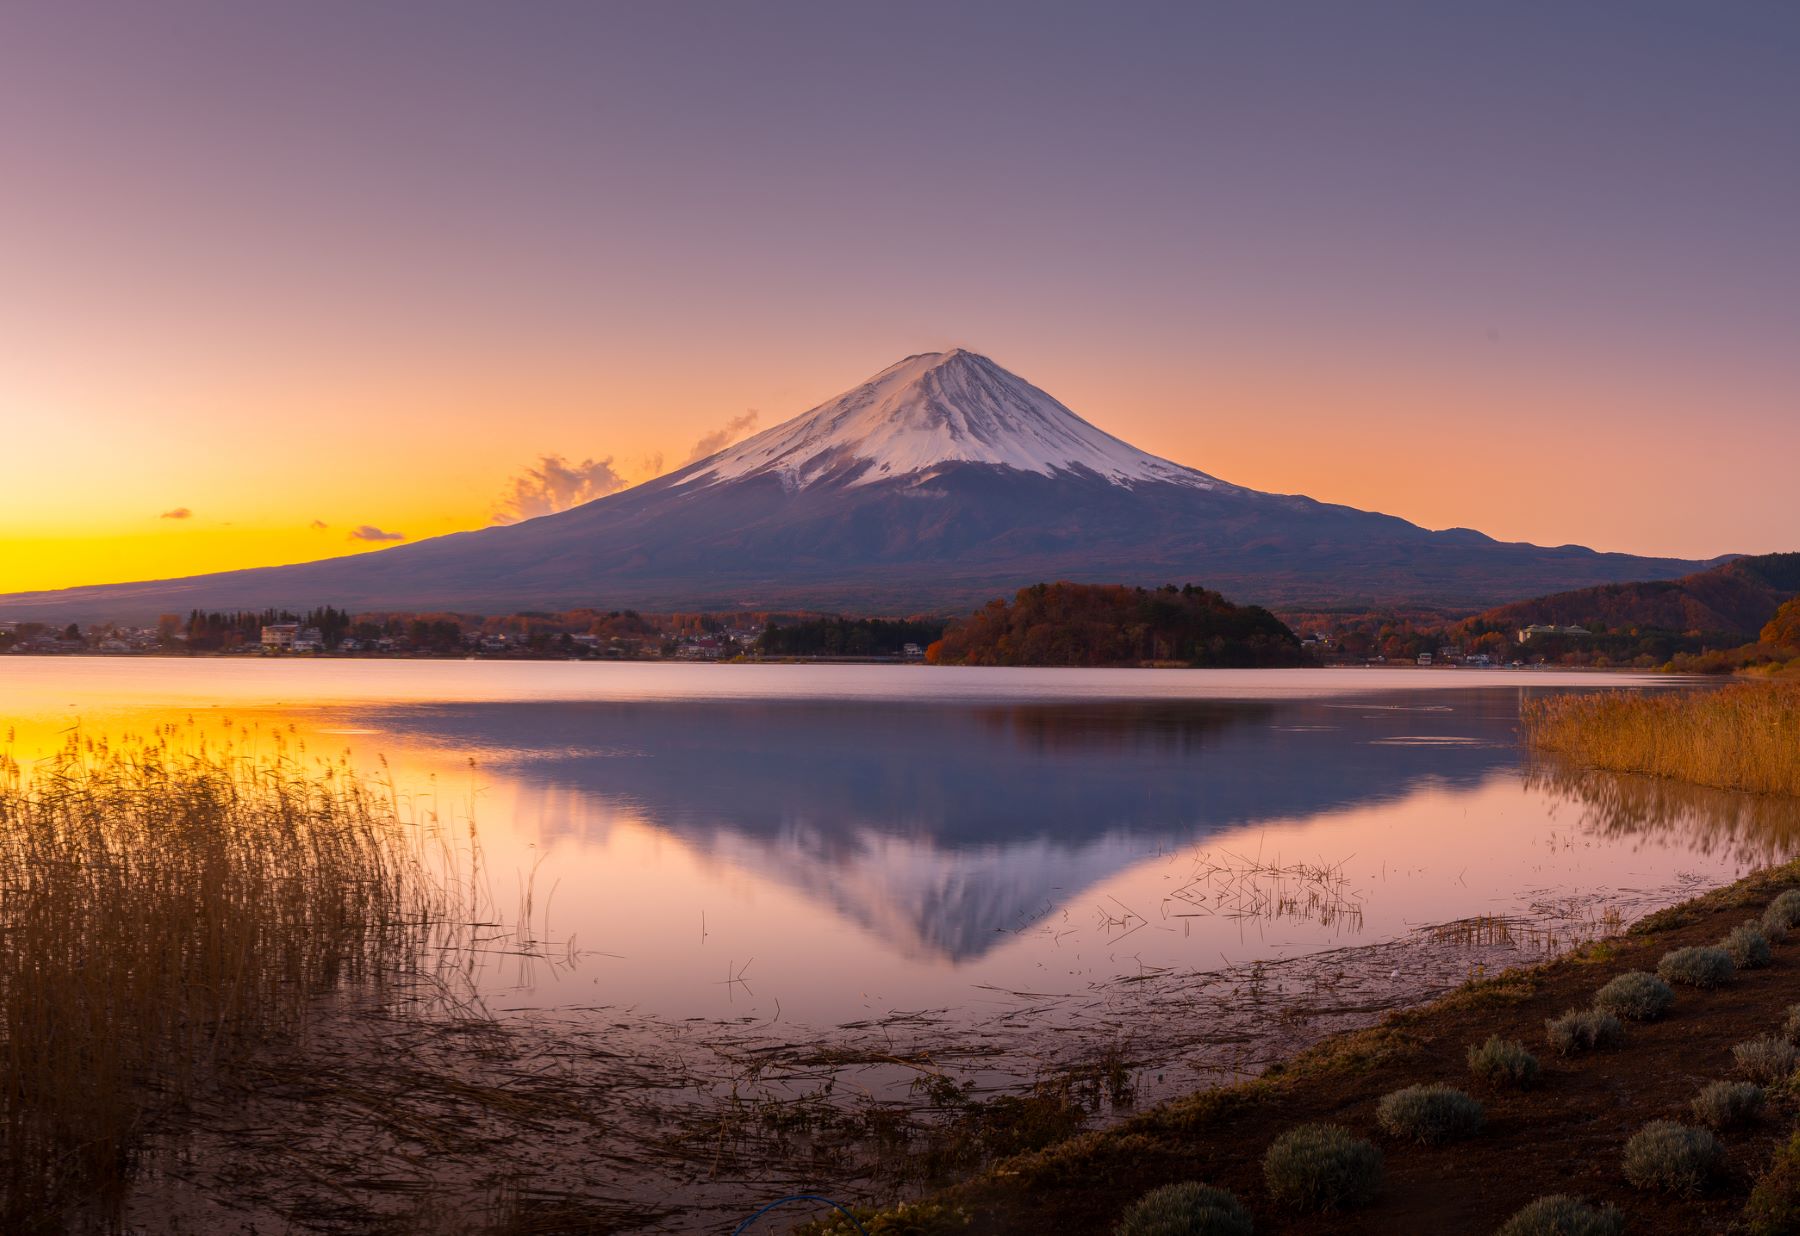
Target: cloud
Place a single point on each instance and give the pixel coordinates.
(180, 512)
(556, 485)
(318, 525)
(723, 437)
(369, 532)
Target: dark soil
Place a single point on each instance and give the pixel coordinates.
(1565, 1135)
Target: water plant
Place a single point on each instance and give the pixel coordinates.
(1185, 1209)
(1583, 1030)
(1503, 1062)
(1429, 1115)
(1766, 1059)
(1322, 1167)
(1562, 1215)
(1635, 996)
(1725, 1103)
(1703, 966)
(1672, 1158)
(1748, 946)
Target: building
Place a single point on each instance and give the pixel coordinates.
(1537, 630)
(279, 636)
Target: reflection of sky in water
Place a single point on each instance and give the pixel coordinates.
(875, 848)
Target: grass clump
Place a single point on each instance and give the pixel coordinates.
(1562, 1215)
(1635, 996)
(1429, 1115)
(1725, 1103)
(1740, 737)
(1790, 1026)
(1774, 1205)
(1766, 1059)
(1322, 1167)
(1703, 966)
(1186, 1209)
(1503, 1062)
(1581, 1030)
(1782, 914)
(1672, 1158)
(1748, 946)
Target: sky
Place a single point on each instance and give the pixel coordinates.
(282, 282)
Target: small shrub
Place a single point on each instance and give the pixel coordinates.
(1790, 1028)
(1725, 1103)
(1583, 1030)
(1635, 996)
(1503, 1062)
(1774, 1206)
(1749, 947)
(1562, 1215)
(1671, 1158)
(1768, 1059)
(1704, 966)
(1783, 913)
(1186, 1209)
(1322, 1167)
(1429, 1115)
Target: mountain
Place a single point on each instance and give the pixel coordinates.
(1732, 601)
(940, 482)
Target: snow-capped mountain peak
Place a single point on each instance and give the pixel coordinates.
(932, 409)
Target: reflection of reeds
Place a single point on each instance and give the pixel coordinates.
(1740, 737)
(1757, 829)
(166, 910)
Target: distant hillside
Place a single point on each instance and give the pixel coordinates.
(1732, 600)
(1108, 624)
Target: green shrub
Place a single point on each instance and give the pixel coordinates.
(1322, 1167)
(1767, 1059)
(1671, 1158)
(1583, 1030)
(1635, 996)
(1749, 947)
(1783, 913)
(1774, 1206)
(1429, 1115)
(1726, 1103)
(1503, 1062)
(1562, 1215)
(1186, 1209)
(1703, 966)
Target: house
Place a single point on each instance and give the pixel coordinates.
(307, 639)
(1424, 658)
(1527, 634)
(912, 652)
(279, 636)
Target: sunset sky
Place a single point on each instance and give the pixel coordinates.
(285, 281)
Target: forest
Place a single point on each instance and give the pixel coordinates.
(847, 637)
(1068, 624)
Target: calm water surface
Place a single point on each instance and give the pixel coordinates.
(828, 844)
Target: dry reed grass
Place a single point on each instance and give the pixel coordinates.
(1739, 737)
(168, 908)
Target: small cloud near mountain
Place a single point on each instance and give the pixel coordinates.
(318, 525)
(369, 532)
(723, 436)
(556, 485)
(180, 512)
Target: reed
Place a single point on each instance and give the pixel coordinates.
(168, 909)
(1739, 737)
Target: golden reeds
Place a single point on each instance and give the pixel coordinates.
(167, 909)
(1741, 737)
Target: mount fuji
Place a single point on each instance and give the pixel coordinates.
(942, 481)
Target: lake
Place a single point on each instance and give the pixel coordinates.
(1005, 869)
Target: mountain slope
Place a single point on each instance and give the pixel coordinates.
(941, 482)
(1733, 600)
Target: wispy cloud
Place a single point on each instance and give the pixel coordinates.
(556, 485)
(723, 436)
(180, 512)
(369, 532)
(318, 525)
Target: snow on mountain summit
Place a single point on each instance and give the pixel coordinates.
(931, 409)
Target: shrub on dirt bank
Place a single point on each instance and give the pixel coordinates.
(1583, 1030)
(1774, 1206)
(1322, 1167)
(1429, 1115)
(1503, 1062)
(1186, 1209)
(1671, 1158)
(1748, 946)
(1562, 1215)
(1768, 1059)
(1636, 996)
(1702, 966)
(1782, 914)
(1726, 1103)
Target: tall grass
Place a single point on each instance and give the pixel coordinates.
(166, 910)
(1740, 737)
